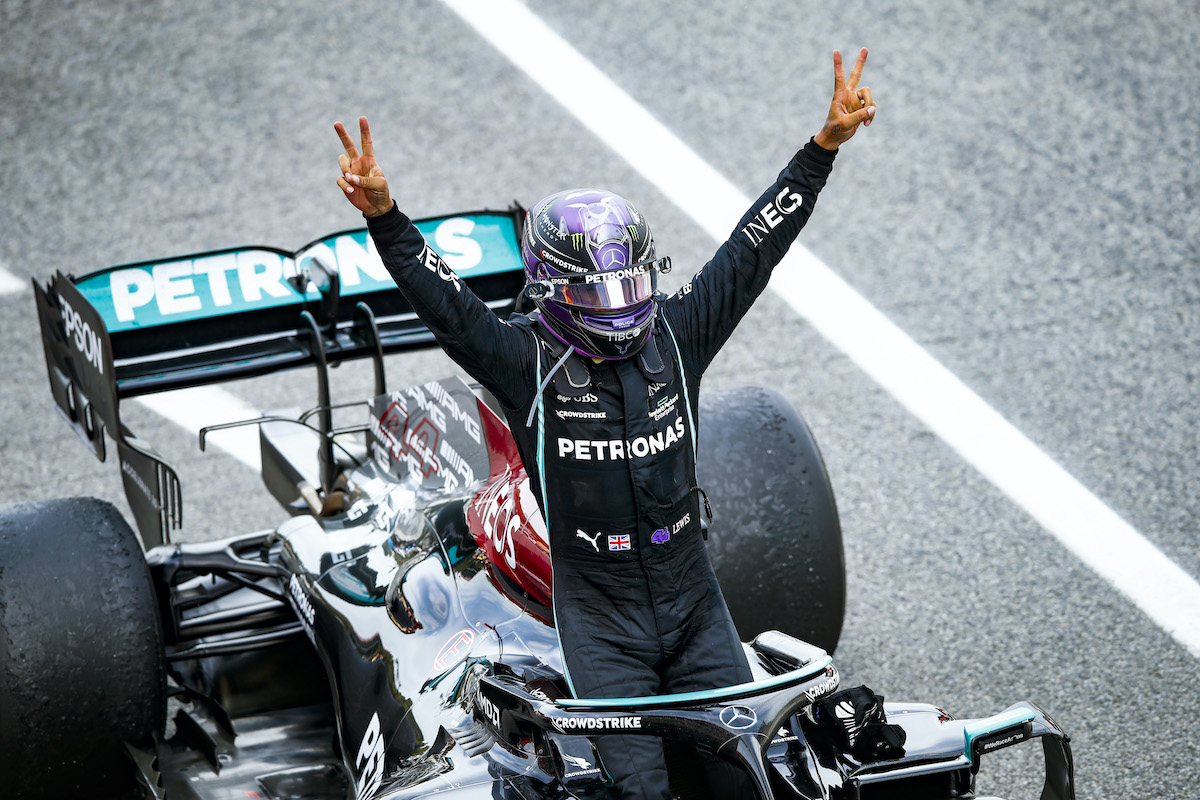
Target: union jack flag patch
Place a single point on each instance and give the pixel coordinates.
(620, 542)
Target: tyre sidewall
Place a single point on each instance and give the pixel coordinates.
(82, 667)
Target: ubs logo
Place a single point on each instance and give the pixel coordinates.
(738, 717)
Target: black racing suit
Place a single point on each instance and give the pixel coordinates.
(609, 448)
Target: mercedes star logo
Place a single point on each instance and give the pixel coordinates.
(738, 717)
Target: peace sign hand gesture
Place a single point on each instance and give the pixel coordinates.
(851, 106)
(362, 178)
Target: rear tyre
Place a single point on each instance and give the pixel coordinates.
(82, 666)
(775, 540)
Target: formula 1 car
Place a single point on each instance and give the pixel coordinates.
(393, 637)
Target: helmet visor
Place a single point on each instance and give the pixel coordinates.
(607, 289)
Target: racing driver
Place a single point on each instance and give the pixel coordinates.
(599, 385)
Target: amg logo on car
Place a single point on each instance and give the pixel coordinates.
(597, 724)
(86, 341)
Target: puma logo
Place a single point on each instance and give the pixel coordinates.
(594, 541)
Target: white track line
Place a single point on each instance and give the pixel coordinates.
(9, 283)
(1078, 519)
(200, 406)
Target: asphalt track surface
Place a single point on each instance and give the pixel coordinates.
(1024, 208)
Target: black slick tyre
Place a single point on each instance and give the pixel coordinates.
(82, 668)
(775, 541)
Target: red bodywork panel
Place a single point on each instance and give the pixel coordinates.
(504, 516)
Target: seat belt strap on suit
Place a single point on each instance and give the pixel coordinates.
(687, 404)
(539, 407)
(687, 400)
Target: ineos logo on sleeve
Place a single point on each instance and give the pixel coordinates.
(770, 215)
(434, 263)
(738, 717)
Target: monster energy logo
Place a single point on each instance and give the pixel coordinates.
(577, 238)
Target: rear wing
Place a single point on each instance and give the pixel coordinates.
(211, 317)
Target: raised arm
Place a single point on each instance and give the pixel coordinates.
(497, 355)
(709, 307)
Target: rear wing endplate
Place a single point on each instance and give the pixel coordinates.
(217, 316)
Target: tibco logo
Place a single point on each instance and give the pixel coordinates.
(86, 341)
